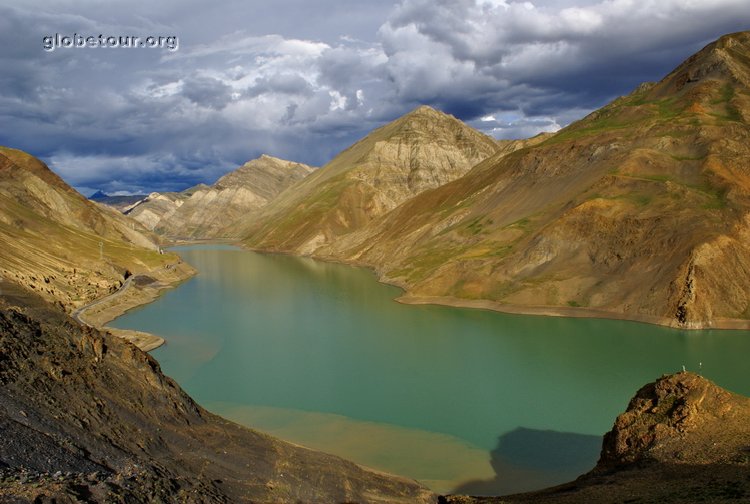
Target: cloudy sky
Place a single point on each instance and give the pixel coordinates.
(303, 79)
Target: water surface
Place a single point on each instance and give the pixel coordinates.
(460, 399)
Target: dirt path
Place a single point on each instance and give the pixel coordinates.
(135, 291)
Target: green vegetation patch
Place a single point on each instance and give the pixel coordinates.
(725, 94)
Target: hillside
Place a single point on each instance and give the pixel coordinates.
(61, 245)
(638, 211)
(208, 211)
(419, 151)
(87, 417)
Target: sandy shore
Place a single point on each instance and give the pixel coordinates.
(564, 311)
(136, 291)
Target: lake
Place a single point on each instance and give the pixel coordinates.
(462, 400)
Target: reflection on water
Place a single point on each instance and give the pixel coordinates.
(295, 334)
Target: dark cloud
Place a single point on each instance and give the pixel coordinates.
(303, 80)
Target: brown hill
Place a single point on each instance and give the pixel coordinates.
(419, 151)
(639, 211)
(58, 243)
(210, 211)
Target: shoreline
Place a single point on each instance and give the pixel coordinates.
(565, 311)
(719, 323)
(136, 291)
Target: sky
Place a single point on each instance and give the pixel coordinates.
(304, 79)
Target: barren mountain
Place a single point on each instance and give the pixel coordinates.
(158, 207)
(640, 210)
(208, 211)
(61, 245)
(422, 150)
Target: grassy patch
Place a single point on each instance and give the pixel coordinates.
(732, 114)
(475, 226)
(503, 289)
(725, 94)
(500, 251)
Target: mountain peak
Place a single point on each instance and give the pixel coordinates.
(266, 157)
(425, 109)
(266, 164)
(426, 112)
(428, 123)
(725, 59)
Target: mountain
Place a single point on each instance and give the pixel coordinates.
(99, 195)
(419, 151)
(121, 203)
(61, 245)
(641, 210)
(681, 439)
(207, 211)
(158, 207)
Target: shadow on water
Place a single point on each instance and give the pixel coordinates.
(529, 459)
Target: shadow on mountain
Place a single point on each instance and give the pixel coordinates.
(529, 459)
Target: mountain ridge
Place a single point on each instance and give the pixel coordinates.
(639, 210)
(421, 150)
(203, 211)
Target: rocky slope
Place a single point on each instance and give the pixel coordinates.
(209, 211)
(61, 245)
(681, 439)
(158, 207)
(86, 417)
(419, 151)
(640, 210)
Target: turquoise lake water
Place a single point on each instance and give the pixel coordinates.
(463, 400)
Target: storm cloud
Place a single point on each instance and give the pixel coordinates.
(302, 80)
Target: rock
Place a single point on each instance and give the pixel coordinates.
(681, 414)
